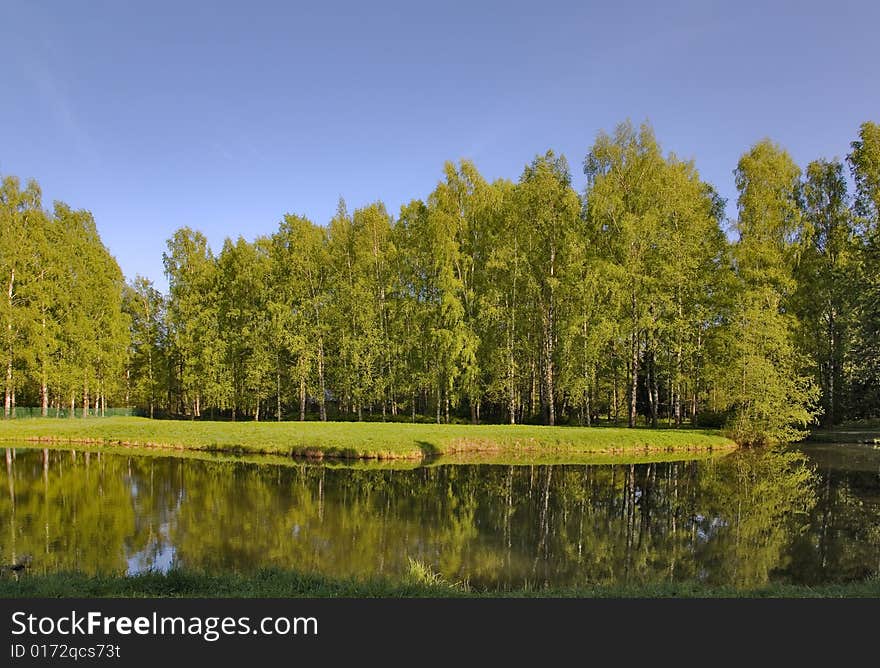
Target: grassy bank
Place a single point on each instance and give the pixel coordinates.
(285, 584)
(861, 431)
(363, 440)
(373, 464)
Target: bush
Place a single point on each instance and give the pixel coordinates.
(712, 419)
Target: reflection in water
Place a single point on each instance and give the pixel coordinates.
(843, 540)
(742, 519)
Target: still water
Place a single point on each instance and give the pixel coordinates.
(807, 516)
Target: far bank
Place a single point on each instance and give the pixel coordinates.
(364, 440)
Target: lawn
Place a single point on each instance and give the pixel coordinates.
(858, 431)
(365, 440)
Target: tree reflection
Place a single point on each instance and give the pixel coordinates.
(740, 520)
(67, 512)
(843, 542)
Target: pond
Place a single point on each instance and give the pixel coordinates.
(809, 515)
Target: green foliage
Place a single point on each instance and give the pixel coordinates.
(486, 301)
(147, 373)
(195, 346)
(827, 283)
(360, 254)
(22, 243)
(548, 207)
(64, 333)
(864, 161)
(243, 318)
(773, 400)
(659, 263)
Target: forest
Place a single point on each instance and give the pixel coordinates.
(623, 295)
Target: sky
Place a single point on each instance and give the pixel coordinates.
(224, 116)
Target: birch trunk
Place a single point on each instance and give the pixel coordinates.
(7, 403)
(634, 378)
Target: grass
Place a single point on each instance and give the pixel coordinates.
(364, 440)
(859, 431)
(420, 583)
(523, 458)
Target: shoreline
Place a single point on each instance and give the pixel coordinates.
(364, 440)
(459, 458)
(273, 583)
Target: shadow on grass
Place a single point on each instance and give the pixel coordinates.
(429, 450)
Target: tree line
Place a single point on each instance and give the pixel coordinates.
(619, 298)
(65, 336)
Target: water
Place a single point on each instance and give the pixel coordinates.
(743, 519)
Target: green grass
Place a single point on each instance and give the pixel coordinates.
(859, 431)
(365, 440)
(420, 583)
(522, 458)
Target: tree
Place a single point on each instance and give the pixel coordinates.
(455, 225)
(657, 248)
(21, 226)
(772, 399)
(411, 305)
(547, 204)
(243, 323)
(300, 269)
(48, 295)
(374, 228)
(501, 314)
(825, 276)
(624, 174)
(94, 329)
(356, 248)
(145, 307)
(864, 161)
(192, 323)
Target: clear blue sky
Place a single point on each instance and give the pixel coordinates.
(224, 116)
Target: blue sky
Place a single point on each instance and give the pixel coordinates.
(224, 116)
